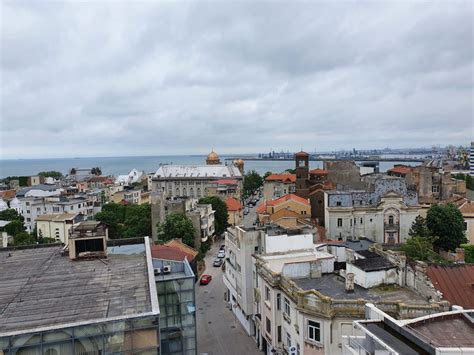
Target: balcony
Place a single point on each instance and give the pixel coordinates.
(391, 226)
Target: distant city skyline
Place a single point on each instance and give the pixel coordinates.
(88, 79)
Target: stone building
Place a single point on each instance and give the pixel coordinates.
(304, 306)
(383, 212)
(290, 211)
(212, 179)
(278, 185)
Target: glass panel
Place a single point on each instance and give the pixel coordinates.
(187, 296)
(57, 335)
(114, 327)
(28, 339)
(64, 348)
(89, 346)
(189, 343)
(87, 330)
(33, 350)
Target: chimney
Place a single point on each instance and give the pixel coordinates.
(349, 256)
(350, 282)
(315, 269)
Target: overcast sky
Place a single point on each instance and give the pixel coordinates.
(146, 78)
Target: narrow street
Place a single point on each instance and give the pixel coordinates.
(218, 331)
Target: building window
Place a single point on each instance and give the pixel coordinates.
(298, 349)
(28, 219)
(339, 222)
(435, 188)
(390, 219)
(278, 301)
(267, 294)
(361, 220)
(268, 325)
(27, 203)
(465, 226)
(314, 331)
(279, 333)
(350, 221)
(288, 340)
(287, 307)
(338, 203)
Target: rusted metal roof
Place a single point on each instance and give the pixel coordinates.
(456, 282)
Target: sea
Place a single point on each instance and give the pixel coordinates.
(122, 165)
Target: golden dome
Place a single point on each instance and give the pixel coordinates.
(213, 158)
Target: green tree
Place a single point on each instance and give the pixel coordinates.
(137, 221)
(290, 171)
(52, 173)
(14, 227)
(446, 223)
(267, 174)
(177, 225)
(252, 182)
(419, 248)
(23, 238)
(221, 216)
(11, 215)
(468, 253)
(96, 171)
(419, 228)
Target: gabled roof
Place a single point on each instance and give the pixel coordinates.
(263, 206)
(168, 253)
(233, 204)
(285, 177)
(456, 282)
(183, 247)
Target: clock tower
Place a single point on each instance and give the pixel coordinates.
(302, 174)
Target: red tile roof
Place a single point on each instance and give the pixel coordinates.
(227, 182)
(168, 253)
(287, 198)
(456, 282)
(286, 178)
(233, 204)
(318, 172)
(263, 206)
(8, 194)
(176, 243)
(400, 170)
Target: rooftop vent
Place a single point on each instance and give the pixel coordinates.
(166, 269)
(157, 271)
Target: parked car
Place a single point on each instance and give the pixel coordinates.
(205, 279)
(222, 247)
(221, 254)
(217, 262)
(246, 210)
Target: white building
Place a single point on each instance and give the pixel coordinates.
(445, 333)
(239, 277)
(132, 177)
(40, 190)
(383, 214)
(32, 207)
(195, 181)
(471, 160)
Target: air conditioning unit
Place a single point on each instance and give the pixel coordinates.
(157, 271)
(292, 350)
(166, 269)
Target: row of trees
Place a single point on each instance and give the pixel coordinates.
(443, 229)
(16, 229)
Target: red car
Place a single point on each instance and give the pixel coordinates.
(205, 279)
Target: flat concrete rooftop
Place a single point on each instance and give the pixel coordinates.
(333, 285)
(41, 288)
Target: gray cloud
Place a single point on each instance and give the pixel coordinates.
(109, 78)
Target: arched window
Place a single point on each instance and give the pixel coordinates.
(390, 219)
(184, 192)
(191, 192)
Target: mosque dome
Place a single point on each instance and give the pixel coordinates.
(212, 158)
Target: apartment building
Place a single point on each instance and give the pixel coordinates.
(278, 185)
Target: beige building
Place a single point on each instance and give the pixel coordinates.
(289, 211)
(235, 211)
(56, 226)
(303, 307)
(278, 185)
(467, 210)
